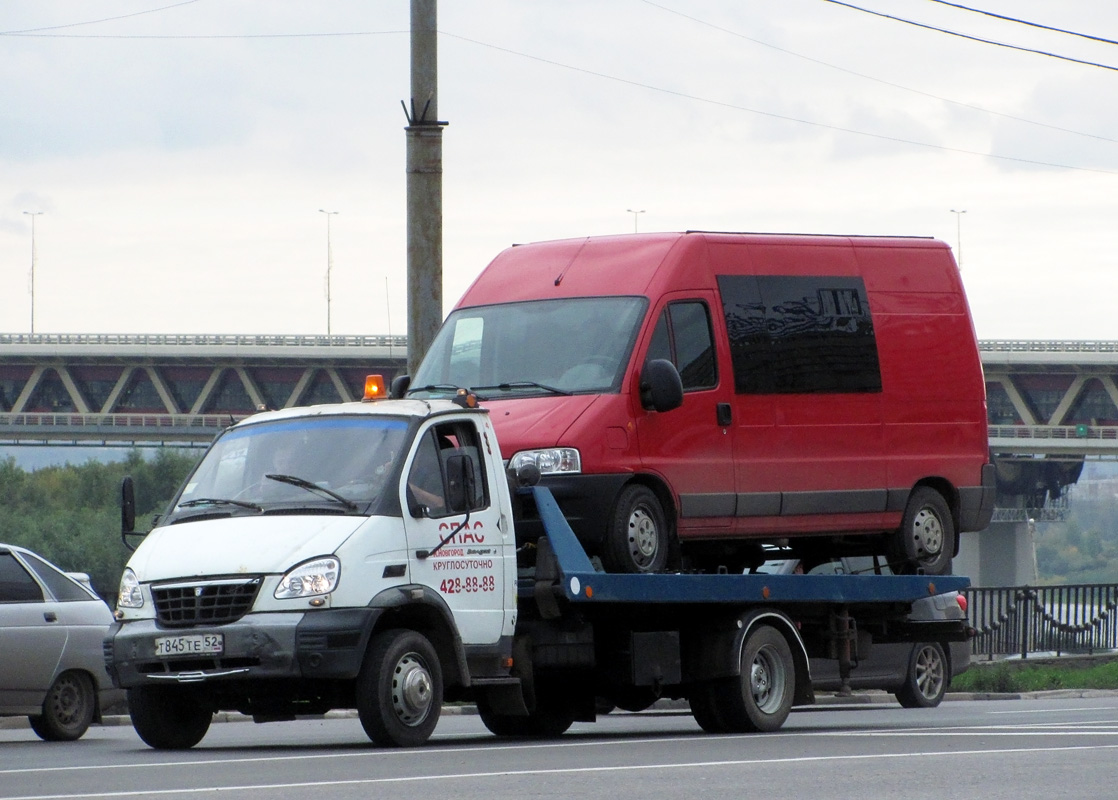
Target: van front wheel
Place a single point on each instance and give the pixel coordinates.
(927, 536)
(637, 539)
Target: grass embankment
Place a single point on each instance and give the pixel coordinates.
(1018, 676)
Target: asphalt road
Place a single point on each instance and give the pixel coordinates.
(1034, 748)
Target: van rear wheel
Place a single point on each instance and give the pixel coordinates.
(926, 540)
(637, 539)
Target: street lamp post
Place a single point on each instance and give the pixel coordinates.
(959, 235)
(329, 263)
(635, 213)
(34, 258)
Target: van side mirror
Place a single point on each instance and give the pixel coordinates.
(461, 489)
(661, 387)
(399, 386)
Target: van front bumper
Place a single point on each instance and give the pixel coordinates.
(327, 644)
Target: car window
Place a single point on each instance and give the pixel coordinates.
(63, 588)
(16, 583)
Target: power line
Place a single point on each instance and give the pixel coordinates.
(1025, 22)
(879, 80)
(770, 114)
(97, 21)
(972, 38)
(627, 81)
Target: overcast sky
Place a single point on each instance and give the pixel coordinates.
(180, 156)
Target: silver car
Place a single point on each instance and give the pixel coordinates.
(918, 674)
(52, 667)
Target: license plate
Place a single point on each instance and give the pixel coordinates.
(193, 644)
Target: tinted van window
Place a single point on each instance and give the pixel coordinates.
(800, 334)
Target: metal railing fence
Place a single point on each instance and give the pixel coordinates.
(1019, 620)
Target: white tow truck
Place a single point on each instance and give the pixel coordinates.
(365, 556)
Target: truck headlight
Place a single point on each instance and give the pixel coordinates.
(129, 595)
(316, 577)
(549, 461)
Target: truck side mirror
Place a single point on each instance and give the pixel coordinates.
(399, 386)
(127, 510)
(127, 505)
(661, 387)
(461, 489)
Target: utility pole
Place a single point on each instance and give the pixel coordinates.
(425, 186)
(34, 259)
(329, 263)
(959, 236)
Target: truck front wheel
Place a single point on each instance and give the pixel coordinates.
(400, 689)
(168, 717)
(760, 698)
(637, 539)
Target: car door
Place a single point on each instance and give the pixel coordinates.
(32, 637)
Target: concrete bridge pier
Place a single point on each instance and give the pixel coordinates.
(1002, 555)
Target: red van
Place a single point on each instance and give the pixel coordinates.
(690, 397)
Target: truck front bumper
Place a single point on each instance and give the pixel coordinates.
(327, 644)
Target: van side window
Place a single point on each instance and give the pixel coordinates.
(792, 334)
(683, 336)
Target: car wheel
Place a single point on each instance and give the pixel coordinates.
(637, 539)
(67, 710)
(926, 540)
(927, 678)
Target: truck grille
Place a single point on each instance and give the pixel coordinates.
(182, 605)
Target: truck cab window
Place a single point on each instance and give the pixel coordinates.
(427, 489)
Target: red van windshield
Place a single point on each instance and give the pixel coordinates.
(566, 346)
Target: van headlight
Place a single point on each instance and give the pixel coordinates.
(129, 595)
(549, 461)
(316, 577)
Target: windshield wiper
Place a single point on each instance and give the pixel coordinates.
(218, 501)
(303, 483)
(508, 387)
(434, 387)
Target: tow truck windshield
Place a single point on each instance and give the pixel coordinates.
(333, 464)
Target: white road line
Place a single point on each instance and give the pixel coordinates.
(463, 776)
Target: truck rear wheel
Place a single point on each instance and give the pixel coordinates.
(926, 540)
(400, 689)
(168, 717)
(637, 538)
(760, 698)
(704, 700)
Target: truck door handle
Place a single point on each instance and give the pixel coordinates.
(50, 616)
(724, 413)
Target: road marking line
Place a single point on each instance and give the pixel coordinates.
(559, 771)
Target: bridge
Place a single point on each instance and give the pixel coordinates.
(1052, 399)
(1052, 405)
(145, 390)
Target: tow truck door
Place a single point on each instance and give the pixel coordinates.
(459, 556)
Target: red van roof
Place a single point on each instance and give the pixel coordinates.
(630, 264)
